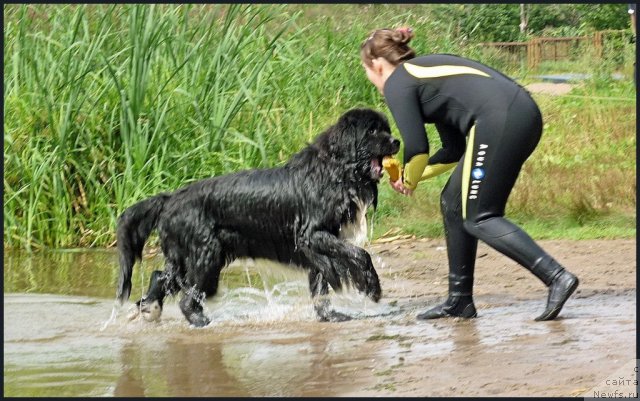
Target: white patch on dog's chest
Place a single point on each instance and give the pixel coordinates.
(356, 232)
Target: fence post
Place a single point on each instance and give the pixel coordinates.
(597, 43)
(533, 53)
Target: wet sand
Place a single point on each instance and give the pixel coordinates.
(264, 340)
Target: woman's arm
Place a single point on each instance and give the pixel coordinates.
(447, 157)
(404, 103)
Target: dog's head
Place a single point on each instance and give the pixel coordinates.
(360, 139)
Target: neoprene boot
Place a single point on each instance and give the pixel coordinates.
(509, 239)
(561, 285)
(461, 254)
(458, 304)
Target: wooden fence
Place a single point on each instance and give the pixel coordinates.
(541, 49)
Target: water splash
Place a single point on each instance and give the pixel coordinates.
(261, 291)
(114, 316)
(371, 221)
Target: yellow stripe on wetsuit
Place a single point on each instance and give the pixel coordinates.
(441, 71)
(466, 170)
(433, 170)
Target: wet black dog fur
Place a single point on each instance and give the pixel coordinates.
(292, 214)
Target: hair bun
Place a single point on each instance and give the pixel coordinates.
(389, 43)
(403, 35)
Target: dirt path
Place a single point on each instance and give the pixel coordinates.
(550, 88)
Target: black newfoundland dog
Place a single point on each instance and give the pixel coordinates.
(299, 214)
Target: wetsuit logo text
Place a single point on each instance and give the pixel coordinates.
(478, 172)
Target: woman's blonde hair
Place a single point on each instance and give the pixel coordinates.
(392, 44)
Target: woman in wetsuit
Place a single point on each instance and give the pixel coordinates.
(488, 125)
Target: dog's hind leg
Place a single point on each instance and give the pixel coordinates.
(203, 279)
(191, 303)
(160, 285)
(319, 290)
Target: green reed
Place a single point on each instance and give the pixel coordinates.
(107, 104)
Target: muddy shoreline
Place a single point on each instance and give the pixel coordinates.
(594, 335)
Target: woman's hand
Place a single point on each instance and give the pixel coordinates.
(399, 187)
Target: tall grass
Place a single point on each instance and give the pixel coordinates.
(107, 104)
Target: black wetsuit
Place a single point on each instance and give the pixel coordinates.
(489, 125)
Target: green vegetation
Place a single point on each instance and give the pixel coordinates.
(107, 104)
(500, 22)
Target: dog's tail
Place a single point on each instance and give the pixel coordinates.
(134, 227)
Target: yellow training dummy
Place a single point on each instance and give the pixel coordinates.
(394, 169)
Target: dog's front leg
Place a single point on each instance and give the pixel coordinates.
(191, 307)
(348, 262)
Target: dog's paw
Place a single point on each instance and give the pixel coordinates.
(333, 316)
(375, 295)
(374, 291)
(339, 317)
(134, 311)
(199, 320)
(150, 311)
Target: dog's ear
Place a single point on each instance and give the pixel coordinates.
(344, 137)
(323, 143)
(338, 142)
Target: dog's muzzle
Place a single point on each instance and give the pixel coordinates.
(377, 170)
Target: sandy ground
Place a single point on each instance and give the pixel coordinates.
(503, 351)
(603, 266)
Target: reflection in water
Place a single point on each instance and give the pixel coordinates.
(202, 363)
(130, 382)
(89, 273)
(64, 352)
(465, 335)
(177, 369)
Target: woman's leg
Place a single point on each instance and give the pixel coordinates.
(496, 151)
(461, 253)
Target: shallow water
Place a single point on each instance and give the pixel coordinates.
(59, 340)
(264, 339)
